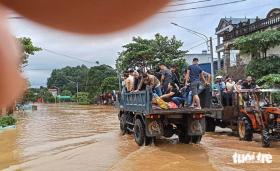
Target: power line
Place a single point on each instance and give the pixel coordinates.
(201, 7)
(68, 56)
(187, 3)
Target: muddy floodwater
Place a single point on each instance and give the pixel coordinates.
(72, 137)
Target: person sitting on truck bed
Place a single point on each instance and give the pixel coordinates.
(249, 83)
(166, 77)
(152, 82)
(194, 73)
(129, 82)
(173, 94)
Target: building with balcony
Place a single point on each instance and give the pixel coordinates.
(231, 28)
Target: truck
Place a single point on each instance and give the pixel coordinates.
(137, 116)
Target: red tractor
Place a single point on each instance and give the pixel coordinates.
(257, 114)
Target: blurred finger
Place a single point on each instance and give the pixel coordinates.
(87, 16)
(11, 83)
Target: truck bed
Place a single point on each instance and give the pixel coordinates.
(184, 110)
(141, 102)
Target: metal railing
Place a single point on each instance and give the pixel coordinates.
(250, 28)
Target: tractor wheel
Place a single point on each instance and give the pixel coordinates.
(196, 139)
(245, 129)
(266, 142)
(139, 132)
(123, 125)
(210, 124)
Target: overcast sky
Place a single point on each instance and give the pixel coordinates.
(104, 48)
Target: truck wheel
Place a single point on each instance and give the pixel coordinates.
(245, 129)
(210, 124)
(139, 132)
(196, 139)
(123, 124)
(266, 142)
(183, 136)
(148, 140)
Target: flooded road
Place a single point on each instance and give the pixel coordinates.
(72, 137)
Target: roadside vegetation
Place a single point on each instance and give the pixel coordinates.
(7, 121)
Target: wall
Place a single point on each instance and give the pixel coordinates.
(203, 58)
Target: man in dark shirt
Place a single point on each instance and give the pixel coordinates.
(194, 73)
(175, 75)
(166, 77)
(173, 94)
(249, 83)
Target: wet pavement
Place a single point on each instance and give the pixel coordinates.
(72, 137)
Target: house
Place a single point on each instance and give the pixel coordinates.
(231, 28)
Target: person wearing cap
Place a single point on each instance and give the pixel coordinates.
(194, 73)
(249, 83)
(219, 84)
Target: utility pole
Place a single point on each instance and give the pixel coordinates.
(212, 60)
(77, 86)
(207, 40)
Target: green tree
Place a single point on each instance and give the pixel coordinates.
(150, 52)
(109, 84)
(97, 75)
(271, 81)
(258, 43)
(66, 93)
(28, 49)
(261, 67)
(67, 78)
(83, 98)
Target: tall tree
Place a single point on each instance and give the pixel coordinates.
(100, 80)
(150, 52)
(28, 49)
(258, 43)
(68, 77)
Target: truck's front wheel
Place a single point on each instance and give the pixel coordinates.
(139, 132)
(123, 124)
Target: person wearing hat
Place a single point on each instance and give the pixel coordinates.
(219, 84)
(249, 83)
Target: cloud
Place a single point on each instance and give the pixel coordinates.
(104, 48)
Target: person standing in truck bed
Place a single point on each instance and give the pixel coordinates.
(166, 77)
(194, 73)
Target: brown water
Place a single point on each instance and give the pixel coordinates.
(71, 137)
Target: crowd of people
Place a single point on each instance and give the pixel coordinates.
(183, 90)
(167, 85)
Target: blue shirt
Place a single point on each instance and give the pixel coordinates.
(195, 72)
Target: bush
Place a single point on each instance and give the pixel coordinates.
(7, 121)
(83, 98)
(271, 81)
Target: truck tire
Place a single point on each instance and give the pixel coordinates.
(210, 124)
(266, 142)
(183, 136)
(196, 139)
(139, 132)
(148, 140)
(245, 129)
(123, 125)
